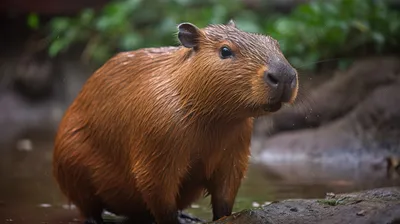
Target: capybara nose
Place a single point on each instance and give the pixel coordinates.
(281, 80)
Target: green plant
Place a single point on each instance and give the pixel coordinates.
(33, 20)
(130, 24)
(314, 31)
(338, 28)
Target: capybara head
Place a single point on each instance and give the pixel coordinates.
(234, 71)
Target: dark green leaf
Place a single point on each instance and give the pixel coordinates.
(33, 21)
(130, 41)
(56, 46)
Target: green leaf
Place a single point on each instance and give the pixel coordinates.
(60, 24)
(56, 46)
(360, 25)
(86, 16)
(167, 26)
(312, 31)
(133, 4)
(378, 37)
(33, 21)
(218, 14)
(130, 41)
(285, 26)
(100, 53)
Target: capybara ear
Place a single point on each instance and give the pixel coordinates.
(231, 23)
(189, 35)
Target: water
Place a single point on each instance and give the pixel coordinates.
(29, 195)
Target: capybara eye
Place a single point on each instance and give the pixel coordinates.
(225, 52)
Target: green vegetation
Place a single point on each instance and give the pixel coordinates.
(339, 28)
(131, 24)
(311, 32)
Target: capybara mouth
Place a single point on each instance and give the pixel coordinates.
(272, 107)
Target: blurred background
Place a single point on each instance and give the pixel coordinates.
(342, 135)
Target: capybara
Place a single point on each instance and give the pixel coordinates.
(154, 129)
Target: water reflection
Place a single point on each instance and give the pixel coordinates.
(28, 193)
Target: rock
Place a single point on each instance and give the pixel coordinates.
(187, 218)
(371, 124)
(362, 145)
(336, 97)
(39, 107)
(24, 145)
(378, 206)
(34, 77)
(374, 123)
(183, 217)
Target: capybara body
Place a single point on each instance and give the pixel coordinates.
(154, 129)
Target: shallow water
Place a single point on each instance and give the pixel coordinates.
(28, 193)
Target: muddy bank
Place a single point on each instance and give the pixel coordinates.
(374, 206)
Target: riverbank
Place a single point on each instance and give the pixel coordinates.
(378, 206)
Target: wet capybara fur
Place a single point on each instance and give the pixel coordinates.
(152, 130)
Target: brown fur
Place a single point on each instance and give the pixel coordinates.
(154, 129)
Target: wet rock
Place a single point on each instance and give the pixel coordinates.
(377, 117)
(24, 145)
(370, 130)
(336, 97)
(184, 218)
(357, 150)
(379, 206)
(360, 146)
(361, 213)
(376, 206)
(34, 76)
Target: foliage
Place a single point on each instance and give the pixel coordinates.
(314, 31)
(328, 29)
(131, 24)
(33, 20)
